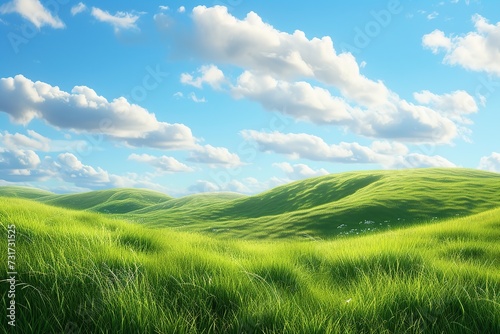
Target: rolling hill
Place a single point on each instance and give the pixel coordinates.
(23, 192)
(108, 201)
(338, 204)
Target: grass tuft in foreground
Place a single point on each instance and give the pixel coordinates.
(82, 272)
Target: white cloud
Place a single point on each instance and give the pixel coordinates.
(119, 21)
(34, 141)
(299, 171)
(273, 60)
(253, 44)
(306, 146)
(436, 40)
(454, 105)
(417, 160)
(163, 7)
(202, 186)
(196, 99)
(181, 9)
(33, 11)
(490, 163)
(17, 165)
(209, 74)
(214, 156)
(70, 169)
(432, 15)
(477, 50)
(247, 185)
(163, 164)
(398, 119)
(299, 99)
(83, 110)
(79, 8)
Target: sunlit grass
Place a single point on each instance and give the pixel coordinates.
(85, 272)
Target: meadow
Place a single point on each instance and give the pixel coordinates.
(83, 270)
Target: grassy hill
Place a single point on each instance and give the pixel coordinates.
(350, 203)
(84, 272)
(337, 204)
(108, 201)
(23, 192)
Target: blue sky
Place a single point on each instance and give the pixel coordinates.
(233, 95)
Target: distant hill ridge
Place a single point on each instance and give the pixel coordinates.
(335, 204)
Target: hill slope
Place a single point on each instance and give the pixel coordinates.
(338, 204)
(108, 201)
(346, 203)
(23, 192)
(83, 272)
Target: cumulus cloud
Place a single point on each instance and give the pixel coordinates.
(247, 185)
(33, 11)
(214, 156)
(208, 74)
(17, 165)
(119, 21)
(454, 105)
(306, 146)
(299, 100)
(83, 110)
(478, 50)
(299, 171)
(68, 168)
(417, 160)
(34, 141)
(490, 163)
(72, 170)
(162, 164)
(181, 9)
(254, 44)
(276, 64)
(202, 186)
(79, 8)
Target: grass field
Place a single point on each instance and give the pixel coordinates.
(83, 272)
(351, 203)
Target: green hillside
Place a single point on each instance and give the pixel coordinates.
(108, 201)
(82, 272)
(23, 192)
(338, 204)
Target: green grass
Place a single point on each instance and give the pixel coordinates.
(339, 204)
(84, 272)
(350, 203)
(23, 192)
(108, 201)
